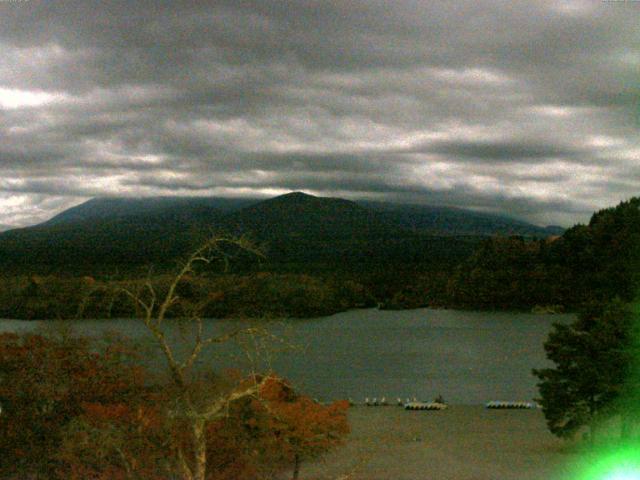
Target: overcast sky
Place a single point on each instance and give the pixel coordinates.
(529, 108)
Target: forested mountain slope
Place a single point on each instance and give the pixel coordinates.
(299, 232)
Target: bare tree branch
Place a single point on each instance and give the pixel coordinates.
(192, 466)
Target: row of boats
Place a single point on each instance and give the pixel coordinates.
(399, 402)
(439, 404)
(512, 405)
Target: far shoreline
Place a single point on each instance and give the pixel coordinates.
(538, 311)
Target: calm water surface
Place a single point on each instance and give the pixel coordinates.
(468, 357)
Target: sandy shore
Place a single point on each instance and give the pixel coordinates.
(460, 443)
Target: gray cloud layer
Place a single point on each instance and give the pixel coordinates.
(524, 108)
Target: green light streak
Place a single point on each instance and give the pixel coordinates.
(621, 463)
(623, 475)
(619, 458)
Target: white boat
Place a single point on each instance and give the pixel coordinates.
(425, 406)
(498, 404)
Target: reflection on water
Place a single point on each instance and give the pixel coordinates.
(467, 357)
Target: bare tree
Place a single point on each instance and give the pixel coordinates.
(196, 410)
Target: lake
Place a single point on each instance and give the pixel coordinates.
(467, 357)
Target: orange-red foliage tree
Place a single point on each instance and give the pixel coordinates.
(297, 428)
(69, 411)
(44, 384)
(116, 442)
(274, 432)
(259, 438)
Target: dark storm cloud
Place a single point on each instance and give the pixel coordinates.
(525, 108)
(503, 151)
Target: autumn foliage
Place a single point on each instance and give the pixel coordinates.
(44, 384)
(75, 411)
(276, 431)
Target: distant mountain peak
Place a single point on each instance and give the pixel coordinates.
(296, 197)
(305, 201)
(296, 194)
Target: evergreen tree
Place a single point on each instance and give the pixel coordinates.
(593, 358)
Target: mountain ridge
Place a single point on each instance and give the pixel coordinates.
(106, 207)
(297, 229)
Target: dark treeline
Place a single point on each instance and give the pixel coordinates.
(594, 262)
(249, 295)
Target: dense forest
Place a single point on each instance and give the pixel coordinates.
(593, 262)
(320, 256)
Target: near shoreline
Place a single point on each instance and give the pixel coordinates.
(461, 443)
